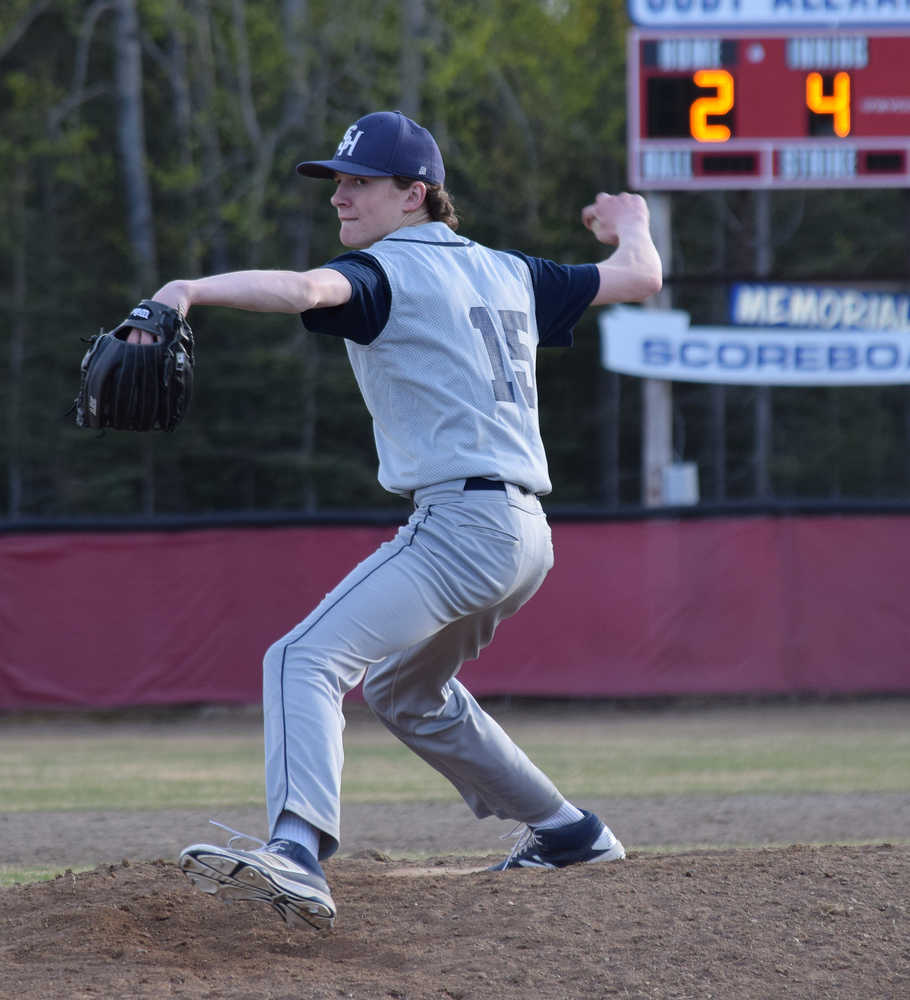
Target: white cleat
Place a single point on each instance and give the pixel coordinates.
(282, 874)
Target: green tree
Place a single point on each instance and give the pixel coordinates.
(527, 99)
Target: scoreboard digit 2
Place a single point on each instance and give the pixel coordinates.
(768, 108)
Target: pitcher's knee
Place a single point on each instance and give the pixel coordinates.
(300, 660)
(376, 693)
(407, 712)
(288, 654)
(379, 694)
(273, 661)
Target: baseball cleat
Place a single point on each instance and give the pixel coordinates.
(577, 843)
(281, 873)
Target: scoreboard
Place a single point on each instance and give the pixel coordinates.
(720, 108)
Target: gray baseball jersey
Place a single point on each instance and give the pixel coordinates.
(451, 381)
(442, 335)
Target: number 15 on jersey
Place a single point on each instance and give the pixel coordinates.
(506, 332)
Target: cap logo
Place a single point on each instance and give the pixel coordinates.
(349, 141)
(422, 171)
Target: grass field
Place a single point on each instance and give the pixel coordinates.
(134, 762)
(771, 749)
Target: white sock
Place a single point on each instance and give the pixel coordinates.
(291, 827)
(565, 814)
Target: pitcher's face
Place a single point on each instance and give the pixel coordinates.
(369, 208)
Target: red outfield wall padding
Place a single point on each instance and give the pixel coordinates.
(765, 605)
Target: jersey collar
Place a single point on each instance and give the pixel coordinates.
(437, 233)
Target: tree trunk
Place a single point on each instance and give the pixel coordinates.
(137, 191)
(212, 164)
(177, 59)
(14, 422)
(305, 103)
(131, 143)
(411, 59)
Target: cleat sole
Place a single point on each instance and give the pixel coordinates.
(235, 880)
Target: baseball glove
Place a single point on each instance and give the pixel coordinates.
(138, 387)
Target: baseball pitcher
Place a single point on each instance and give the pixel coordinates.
(442, 335)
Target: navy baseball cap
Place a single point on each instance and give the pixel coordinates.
(383, 144)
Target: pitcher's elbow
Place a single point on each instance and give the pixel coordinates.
(649, 286)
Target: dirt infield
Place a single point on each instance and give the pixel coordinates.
(801, 922)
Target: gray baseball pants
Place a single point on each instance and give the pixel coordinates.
(404, 620)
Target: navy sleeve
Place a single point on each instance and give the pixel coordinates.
(364, 315)
(562, 292)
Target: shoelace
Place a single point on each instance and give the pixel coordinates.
(526, 838)
(237, 835)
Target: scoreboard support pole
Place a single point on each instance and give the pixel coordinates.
(657, 394)
(764, 400)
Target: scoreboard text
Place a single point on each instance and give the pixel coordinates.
(749, 109)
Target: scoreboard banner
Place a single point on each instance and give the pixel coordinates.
(660, 344)
(776, 109)
(773, 13)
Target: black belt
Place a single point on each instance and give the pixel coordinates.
(477, 483)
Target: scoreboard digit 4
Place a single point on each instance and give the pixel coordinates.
(750, 109)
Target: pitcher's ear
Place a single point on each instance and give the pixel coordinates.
(417, 194)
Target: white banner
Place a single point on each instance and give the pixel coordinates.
(661, 345)
(769, 13)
